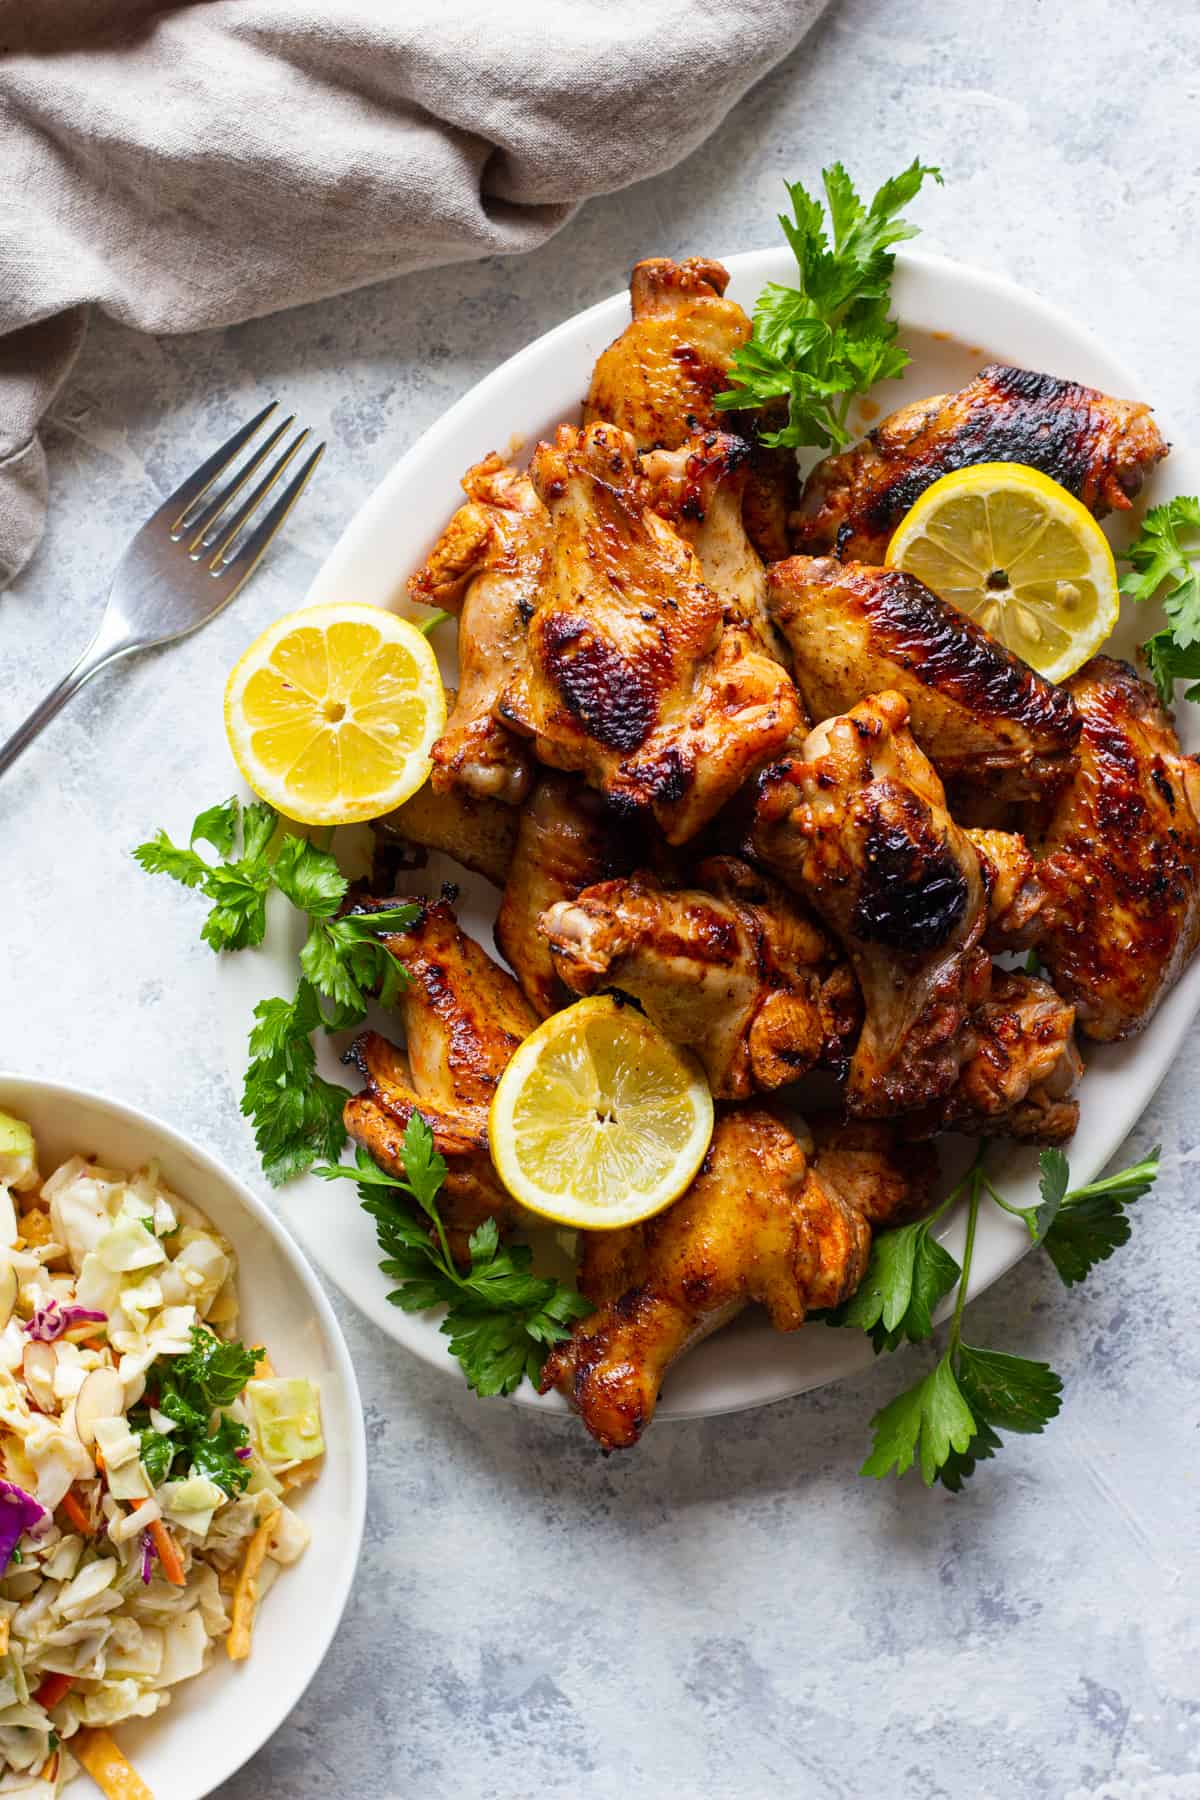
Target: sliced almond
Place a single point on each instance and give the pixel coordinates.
(102, 1396)
(38, 1365)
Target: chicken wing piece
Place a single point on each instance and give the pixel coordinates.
(487, 567)
(761, 1224)
(856, 825)
(463, 1017)
(700, 488)
(1020, 1080)
(1098, 447)
(974, 708)
(565, 843)
(480, 834)
(730, 967)
(658, 379)
(1121, 857)
(636, 677)
(1015, 892)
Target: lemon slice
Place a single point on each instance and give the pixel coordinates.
(332, 712)
(1021, 556)
(599, 1120)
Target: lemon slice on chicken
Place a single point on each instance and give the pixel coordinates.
(1021, 556)
(332, 712)
(599, 1120)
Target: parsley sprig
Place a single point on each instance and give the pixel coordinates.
(188, 1390)
(296, 1114)
(1165, 558)
(951, 1420)
(500, 1317)
(820, 343)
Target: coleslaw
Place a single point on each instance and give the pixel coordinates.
(145, 1456)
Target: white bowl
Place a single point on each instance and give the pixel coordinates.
(216, 1722)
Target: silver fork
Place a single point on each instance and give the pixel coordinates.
(185, 564)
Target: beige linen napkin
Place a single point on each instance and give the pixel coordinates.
(190, 166)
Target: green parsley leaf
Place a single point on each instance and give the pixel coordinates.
(309, 877)
(924, 1423)
(1091, 1222)
(500, 1316)
(157, 1454)
(214, 1455)
(159, 856)
(258, 828)
(296, 1113)
(1166, 563)
(908, 1274)
(212, 1373)
(238, 886)
(1169, 663)
(830, 337)
(1056, 1174)
(218, 826)
(1011, 1393)
(189, 1390)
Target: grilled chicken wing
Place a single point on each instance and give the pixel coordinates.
(760, 1224)
(1020, 1080)
(487, 567)
(636, 677)
(700, 488)
(658, 379)
(1121, 857)
(730, 967)
(480, 834)
(1016, 895)
(974, 708)
(565, 843)
(856, 825)
(1098, 447)
(463, 1017)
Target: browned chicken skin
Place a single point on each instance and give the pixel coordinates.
(480, 834)
(1021, 1077)
(760, 1224)
(974, 708)
(857, 826)
(487, 566)
(1015, 894)
(463, 1017)
(730, 967)
(1099, 448)
(566, 842)
(1121, 857)
(637, 676)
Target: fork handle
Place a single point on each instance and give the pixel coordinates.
(104, 648)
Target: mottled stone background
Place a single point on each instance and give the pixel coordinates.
(730, 1611)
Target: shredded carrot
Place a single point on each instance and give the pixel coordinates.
(93, 1343)
(75, 1513)
(49, 1771)
(264, 1368)
(168, 1550)
(52, 1690)
(112, 1774)
(4, 1631)
(245, 1594)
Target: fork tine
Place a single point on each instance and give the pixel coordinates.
(202, 524)
(178, 504)
(229, 529)
(240, 567)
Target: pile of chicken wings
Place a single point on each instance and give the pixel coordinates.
(716, 757)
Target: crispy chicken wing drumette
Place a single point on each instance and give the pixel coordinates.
(1021, 1077)
(1098, 447)
(1121, 857)
(760, 1224)
(565, 843)
(487, 567)
(463, 1017)
(974, 708)
(857, 826)
(658, 379)
(480, 834)
(637, 678)
(730, 966)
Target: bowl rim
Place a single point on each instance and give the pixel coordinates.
(270, 1715)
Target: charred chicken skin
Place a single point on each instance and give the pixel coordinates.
(463, 1016)
(638, 676)
(730, 967)
(487, 566)
(974, 708)
(1099, 448)
(856, 824)
(566, 842)
(761, 1224)
(1121, 857)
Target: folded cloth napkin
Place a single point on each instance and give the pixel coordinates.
(190, 166)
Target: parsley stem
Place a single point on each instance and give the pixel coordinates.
(434, 619)
(978, 1181)
(1018, 1212)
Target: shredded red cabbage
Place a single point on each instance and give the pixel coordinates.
(244, 1454)
(148, 1555)
(50, 1321)
(19, 1513)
